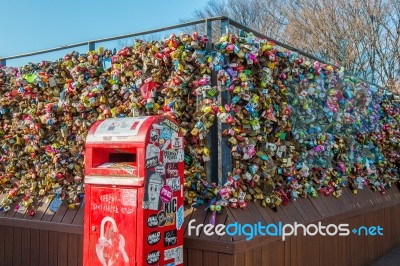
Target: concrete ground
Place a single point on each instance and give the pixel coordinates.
(390, 259)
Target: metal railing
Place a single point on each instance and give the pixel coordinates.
(219, 166)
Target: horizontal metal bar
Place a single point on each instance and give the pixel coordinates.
(190, 23)
(114, 38)
(291, 48)
(260, 35)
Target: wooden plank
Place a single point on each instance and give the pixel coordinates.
(53, 248)
(80, 250)
(265, 257)
(16, 244)
(313, 253)
(347, 199)
(305, 216)
(264, 213)
(359, 240)
(225, 259)
(257, 256)
(78, 219)
(26, 246)
(272, 215)
(62, 254)
(234, 216)
(226, 237)
(2, 245)
(319, 206)
(44, 247)
(282, 215)
(310, 209)
(280, 254)
(48, 214)
(219, 219)
(20, 213)
(35, 205)
(249, 257)
(210, 245)
(346, 245)
(69, 215)
(353, 246)
(292, 213)
(10, 213)
(200, 215)
(58, 216)
(8, 248)
(185, 256)
(210, 258)
(336, 256)
(362, 199)
(35, 246)
(41, 225)
(239, 259)
(331, 205)
(297, 249)
(289, 257)
(195, 257)
(370, 240)
(188, 216)
(72, 257)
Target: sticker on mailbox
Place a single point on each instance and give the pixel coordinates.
(170, 238)
(174, 253)
(153, 257)
(172, 125)
(171, 207)
(152, 221)
(179, 217)
(162, 218)
(172, 170)
(173, 156)
(154, 238)
(177, 143)
(128, 197)
(170, 219)
(174, 183)
(154, 183)
(119, 126)
(166, 194)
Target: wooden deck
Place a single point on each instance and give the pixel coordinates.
(56, 238)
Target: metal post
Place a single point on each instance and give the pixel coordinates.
(373, 51)
(209, 35)
(224, 151)
(91, 46)
(3, 62)
(212, 136)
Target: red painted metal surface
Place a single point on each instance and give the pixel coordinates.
(134, 192)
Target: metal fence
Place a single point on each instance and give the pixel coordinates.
(220, 151)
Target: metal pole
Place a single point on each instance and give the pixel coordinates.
(91, 46)
(211, 166)
(224, 151)
(373, 52)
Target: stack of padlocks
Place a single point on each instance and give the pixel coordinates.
(296, 127)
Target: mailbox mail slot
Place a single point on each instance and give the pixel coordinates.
(134, 192)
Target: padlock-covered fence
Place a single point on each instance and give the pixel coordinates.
(263, 122)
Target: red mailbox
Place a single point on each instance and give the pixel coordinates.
(134, 192)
